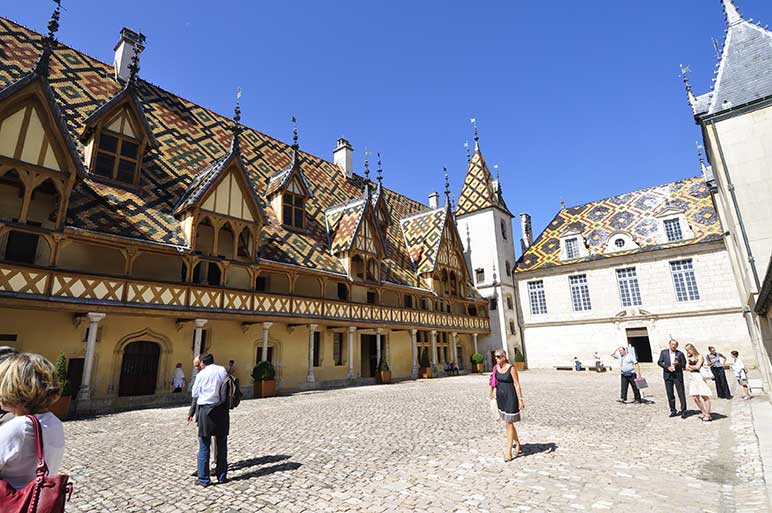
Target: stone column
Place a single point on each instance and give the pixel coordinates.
(351, 373)
(197, 335)
(264, 350)
(474, 340)
(378, 332)
(311, 331)
(84, 394)
(434, 352)
(414, 346)
(454, 349)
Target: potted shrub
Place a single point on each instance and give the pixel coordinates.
(61, 407)
(426, 366)
(264, 375)
(383, 374)
(477, 361)
(519, 360)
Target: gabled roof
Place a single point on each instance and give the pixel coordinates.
(210, 175)
(342, 224)
(479, 190)
(36, 77)
(129, 96)
(280, 180)
(423, 235)
(635, 213)
(745, 68)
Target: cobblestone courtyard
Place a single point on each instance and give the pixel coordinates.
(429, 446)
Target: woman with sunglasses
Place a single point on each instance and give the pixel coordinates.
(509, 399)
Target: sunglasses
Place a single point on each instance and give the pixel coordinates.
(497, 356)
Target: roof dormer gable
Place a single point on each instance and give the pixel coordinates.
(291, 179)
(124, 115)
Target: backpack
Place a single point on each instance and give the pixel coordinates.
(230, 391)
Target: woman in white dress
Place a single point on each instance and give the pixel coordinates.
(698, 387)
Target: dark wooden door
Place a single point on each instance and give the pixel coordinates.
(139, 369)
(75, 374)
(369, 356)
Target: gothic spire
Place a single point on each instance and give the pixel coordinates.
(476, 134)
(447, 187)
(380, 170)
(49, 41)
(236, 128)
(295, 144)
(367, 164)
(731, 13)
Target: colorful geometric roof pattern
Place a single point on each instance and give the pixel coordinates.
(129, 94)
(423, 235)
(280, 180)
(636, 214)
(479, 190)
(191, 138)
(342, 224)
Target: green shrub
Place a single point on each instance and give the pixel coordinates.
(477, 358)
(424, 360)
(263, 371)
(519, 357)
(383, 366)
(60, 368)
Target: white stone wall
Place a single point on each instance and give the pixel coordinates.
(715, 319)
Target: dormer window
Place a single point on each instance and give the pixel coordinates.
(673, 230)
(293, 210)
(117, 157)
(620, 242)
(572, 248)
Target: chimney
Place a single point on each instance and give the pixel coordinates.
(434, 200)
(526, 230)
(343, 157)
(124, 49)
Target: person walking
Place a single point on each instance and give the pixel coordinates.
(5, 352)
(213, 419)
(716, 361)
(598, 362)
(629, 371)
(178, 379)
(673, 362)
(509, 399)
(741, 374)
(28, 386)
(698, 388)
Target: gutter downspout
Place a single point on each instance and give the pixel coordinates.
(730, 187)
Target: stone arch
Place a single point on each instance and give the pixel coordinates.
(275, 347)
(144, 335)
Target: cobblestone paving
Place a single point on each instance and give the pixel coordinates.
(429, 446)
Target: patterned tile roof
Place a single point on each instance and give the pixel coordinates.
(423, 235)
(280, 179)
(744, 70)
(479, 190)
(190, 139)
(343, 222)
(129, 93)
(634, 213)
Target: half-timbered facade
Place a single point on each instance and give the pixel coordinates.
(137, 229)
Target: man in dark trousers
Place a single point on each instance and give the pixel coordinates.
(213, 418)
(673, 362)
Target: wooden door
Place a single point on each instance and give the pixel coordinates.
(139, 369)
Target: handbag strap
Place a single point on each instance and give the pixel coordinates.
(41, 469)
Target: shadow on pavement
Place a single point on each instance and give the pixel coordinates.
(264, 471)
(260, 460)
(529, 449)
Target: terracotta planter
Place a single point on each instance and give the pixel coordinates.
(520, 366)
(61, 407)
(264, 388)
(425, 372)
(478, 368)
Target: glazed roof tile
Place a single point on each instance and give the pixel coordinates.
(635, 213)
(479, 190)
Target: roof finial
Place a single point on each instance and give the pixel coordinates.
(380, 171)
(731, 13)
(468, 155)
(237, 108)
(447, 186)
(716, 48)
(562, 204)
(49, 41)
(295, 133)
(498, 177)
(476, 134)
(685, 70)
(134, 65)
(236, 127)
(367, 164)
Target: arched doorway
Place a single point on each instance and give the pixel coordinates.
(139, 369)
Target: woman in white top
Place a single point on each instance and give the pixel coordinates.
(28, 386)
(698, 388)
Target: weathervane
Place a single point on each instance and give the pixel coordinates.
(447, 186)
(468, 156)
(476, 135)
(367, 164)
(295, 132)
(685, 70)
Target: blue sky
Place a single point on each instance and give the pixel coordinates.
(579, 100)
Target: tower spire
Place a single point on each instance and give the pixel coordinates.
(49, 41)
(685, 70)
(476, 134)
(731, 13)
(380, 171)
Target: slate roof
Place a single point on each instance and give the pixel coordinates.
(192, 141)
(745, 68)
(635, 213)
(479, 190)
